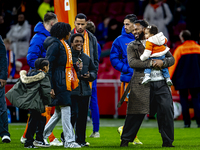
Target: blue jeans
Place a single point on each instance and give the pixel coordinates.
(165, 71)
(3, 114)
(94, 107)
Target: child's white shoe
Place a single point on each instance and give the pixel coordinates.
(146, 79)
(169, 82)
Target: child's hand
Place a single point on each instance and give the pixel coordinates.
(52, 93)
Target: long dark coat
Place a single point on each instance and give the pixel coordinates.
(139, 97)
(56, 54)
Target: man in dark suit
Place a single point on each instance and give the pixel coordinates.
(5, 135)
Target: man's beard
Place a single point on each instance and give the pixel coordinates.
(141, 36)
(21, 22)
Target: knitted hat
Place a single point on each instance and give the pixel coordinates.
(38, 63)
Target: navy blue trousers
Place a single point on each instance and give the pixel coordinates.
(195, 94)
(3, 114)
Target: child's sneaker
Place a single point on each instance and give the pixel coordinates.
(30, 146)
(169, 82)
(72, 145)
(146, 79)
(40, 144)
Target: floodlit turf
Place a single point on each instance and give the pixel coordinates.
(185, 138)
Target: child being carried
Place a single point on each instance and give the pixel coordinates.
(155, 49)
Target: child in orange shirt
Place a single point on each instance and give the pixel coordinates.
(155, 49)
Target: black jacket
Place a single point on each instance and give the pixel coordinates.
(3, 61)
(93, 48)
(84, 88)
(187, 73)
(56, 54)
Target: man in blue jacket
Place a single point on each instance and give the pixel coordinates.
(118, 57)
(42, 30)
(5, 135)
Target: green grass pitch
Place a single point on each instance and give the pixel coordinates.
(185, 138)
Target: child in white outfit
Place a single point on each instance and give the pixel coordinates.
(155, 49)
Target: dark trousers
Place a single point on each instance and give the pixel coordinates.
(160, 103)
(36, 121)
(79, 112)
(4, 124)
(3, 114)
(195, 94)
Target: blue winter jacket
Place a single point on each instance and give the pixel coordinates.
(36, 49)
(118, 55)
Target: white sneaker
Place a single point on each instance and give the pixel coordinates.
(72, 145)
(169, 82)
(95, 135)
(40, 144)
(22, 140)
(146, 79)
(46, 142)
(6, 139)
(56, 142)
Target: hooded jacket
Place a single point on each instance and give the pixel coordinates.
(118, 55)
(84, 88)
(36, 49)
(32, 91)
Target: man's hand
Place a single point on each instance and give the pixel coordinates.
(86, 75)
(157, 64)
(2, 82)
(79, 65)
(52, 93)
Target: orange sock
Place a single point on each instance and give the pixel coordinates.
(24, 135)
(48, 116)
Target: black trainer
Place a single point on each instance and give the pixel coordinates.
(30, 146)
(40, 144)
(124, 143)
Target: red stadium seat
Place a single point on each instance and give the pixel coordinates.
(178, 28)
(129, 8)
(115, 8)
(120, 18)
(84, 8)
(107, 45)
(94, 18)
(99, 8)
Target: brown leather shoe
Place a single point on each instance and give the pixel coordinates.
(124, 143)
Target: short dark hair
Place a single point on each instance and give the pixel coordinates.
(81, 16)
(40, 63)
(131, 17)
(60, 30)
(91, 27)
(186, 35)
(144, 23)
(152, 29)
(75, 35)
(49, 16)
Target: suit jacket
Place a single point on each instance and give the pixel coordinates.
(3, 61)
(139, 97)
